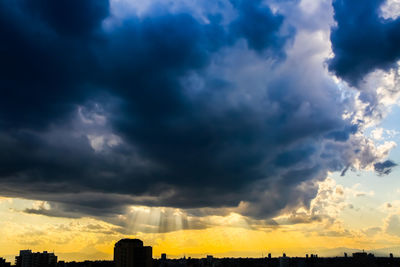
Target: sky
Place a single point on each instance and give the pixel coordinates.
(223, 127)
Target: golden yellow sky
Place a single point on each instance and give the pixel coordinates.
(231, 235)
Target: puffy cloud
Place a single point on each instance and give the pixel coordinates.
(377, 133)
(391, 9)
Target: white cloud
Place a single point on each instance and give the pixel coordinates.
(91, 116)
(391, 9)
(41, 205)
(377, 133)
(101, 142)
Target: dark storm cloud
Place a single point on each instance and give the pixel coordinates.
(258, 25)
(42, 72)
(69, 17)
(57, 61)
(384, 167)
(362, 40)
(99, 112)
(54, 212)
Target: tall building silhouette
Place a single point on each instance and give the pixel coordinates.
(3, 263)
(38, 259)
(132, 253)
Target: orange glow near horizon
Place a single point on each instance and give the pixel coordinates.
(326, 228)
(92, 239)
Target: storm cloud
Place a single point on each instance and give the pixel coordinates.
(384, 167)
(168, 108)
(363, 40)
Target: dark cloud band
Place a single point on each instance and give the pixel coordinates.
(362, 40)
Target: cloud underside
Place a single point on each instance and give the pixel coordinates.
(220, 110)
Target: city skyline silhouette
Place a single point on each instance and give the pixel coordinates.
(133, 253)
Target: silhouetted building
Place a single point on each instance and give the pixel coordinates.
(3, 263)
(284, 261)
(210, 260)
(132, 253)
(38, 259)
(360, 255)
